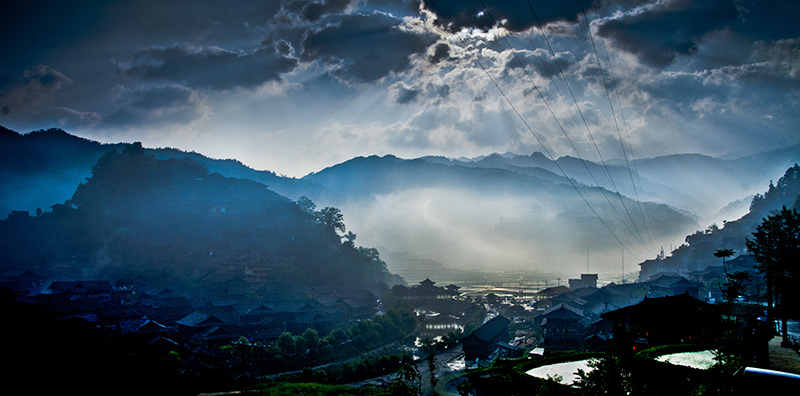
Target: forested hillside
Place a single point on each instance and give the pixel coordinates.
(697, 252)
(187, 227)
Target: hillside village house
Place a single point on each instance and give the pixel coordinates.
(483, 342)
(562, 327)
(666, 285)
(586, 280)
(663, 320)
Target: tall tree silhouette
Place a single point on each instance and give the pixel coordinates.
(775, 246)
(724, 253)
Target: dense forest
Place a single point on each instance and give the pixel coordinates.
(177, 222)
(697, 252)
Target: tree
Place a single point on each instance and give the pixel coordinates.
(776, 248)
(407, 382)
(306, 205)
(733, 288)
(311, 338)
(331, 218)
(430, 347)
(734, 283)
(724, 253)
(286, 344)
(609, 375)
(350, 239)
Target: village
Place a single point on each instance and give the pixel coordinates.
(474, 324)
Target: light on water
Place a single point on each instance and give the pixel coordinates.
(567, 371)
(700, 360)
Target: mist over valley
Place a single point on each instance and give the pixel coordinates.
(404, 197)
(494, 213)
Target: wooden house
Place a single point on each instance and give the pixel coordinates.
(483, 342)
(562, 327)
(664, 320)
(666, 285)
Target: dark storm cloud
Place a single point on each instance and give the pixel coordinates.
(314, 11)
(678, 28)
(40, 26)
(36, 87)
(171, 104)
(441, 53)
(365, 48)
(542, 61)
(431, 93)
(768, 20)
(395, 7)
(34, 30)
(403, 95)
(202, 22)
(209, 67)
(518, 16)
(658, 36)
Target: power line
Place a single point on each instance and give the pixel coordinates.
(630, 145)
(572, 94)
(611, 106)
(636, 234)
(583, 118)
(547, 152)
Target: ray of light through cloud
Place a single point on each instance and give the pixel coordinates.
(294, 86)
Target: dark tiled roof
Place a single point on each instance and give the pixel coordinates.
(292, 306)
(563, 311)
(491, 329)
(61, 286)
(199, 319)
(554, 291)
(427, 282)
(216, 333)
(20, 273)
(660, 306)
(669, 281)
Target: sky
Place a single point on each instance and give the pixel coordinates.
(295, 86)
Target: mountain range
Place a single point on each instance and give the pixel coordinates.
(489, 212)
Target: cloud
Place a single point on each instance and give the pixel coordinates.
(715, 31)
(671, 29)
(47, 24)
(210, 67)
(783, 56)
(441, 53)
(429, 93)
(315, 10)
(34, 89)
(402, 95)
(542, 62)
(708, 106)
(159, 106)
(365, 48)
(71, 118)
(768, 20)
(458, 15)
(396, 78)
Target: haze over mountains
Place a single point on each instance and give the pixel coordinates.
(179, 225)
(493, 212)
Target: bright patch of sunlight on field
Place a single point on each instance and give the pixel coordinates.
(699, 360)
(567, 371)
